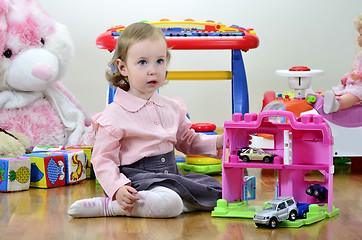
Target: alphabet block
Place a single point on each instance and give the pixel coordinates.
(47, 169)
(14, 174)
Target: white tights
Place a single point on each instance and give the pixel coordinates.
(158, 202)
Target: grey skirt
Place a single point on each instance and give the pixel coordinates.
(162, 170)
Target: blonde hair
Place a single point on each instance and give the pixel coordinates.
(358, 22)
(133, 33)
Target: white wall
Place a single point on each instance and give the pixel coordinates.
(314, 33)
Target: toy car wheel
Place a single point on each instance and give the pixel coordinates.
(273, 222)
(316, 193)
(304, 215)
(320, 195)
(309, 191)
(293, 215)
(267, 159)
(322, 198)
(245, 158)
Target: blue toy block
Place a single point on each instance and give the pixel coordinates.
(47, 169)
(14, 174)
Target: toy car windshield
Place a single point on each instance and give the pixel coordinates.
(270, 206)
(260, 151)
(245, 149)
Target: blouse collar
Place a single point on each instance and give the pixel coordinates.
(132, 103)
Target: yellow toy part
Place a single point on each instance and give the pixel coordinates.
(199, 75)
(201, 160)
(39, 163)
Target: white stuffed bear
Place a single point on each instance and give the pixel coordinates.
(13, 143)
(35, 53)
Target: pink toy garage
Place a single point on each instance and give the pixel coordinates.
(302, 145)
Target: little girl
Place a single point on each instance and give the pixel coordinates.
(133, 155)
(350, 91)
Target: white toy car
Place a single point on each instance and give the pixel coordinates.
(247, 154)
(276, 211)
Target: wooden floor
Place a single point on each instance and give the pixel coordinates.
(42, 214)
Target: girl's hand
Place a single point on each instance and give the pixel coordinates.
(125, 197)
(355, 76)
(220, 142)
(219, 146)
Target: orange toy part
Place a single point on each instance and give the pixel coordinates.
(296, 106)
(265, 135)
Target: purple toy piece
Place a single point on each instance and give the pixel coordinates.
(351, 117)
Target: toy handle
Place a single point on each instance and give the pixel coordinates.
(278, 113)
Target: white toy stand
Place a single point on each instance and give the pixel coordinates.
(345, 138)
(300, 79)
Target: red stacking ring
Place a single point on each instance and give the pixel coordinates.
(203, 127)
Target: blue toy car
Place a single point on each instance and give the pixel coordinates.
(303, 209)
(317, 191)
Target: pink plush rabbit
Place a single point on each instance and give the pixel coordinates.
(36, 51)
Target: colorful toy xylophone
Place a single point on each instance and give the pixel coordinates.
(190, 34)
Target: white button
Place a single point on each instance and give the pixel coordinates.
(156, 122)
(165, 171)
(163, 160)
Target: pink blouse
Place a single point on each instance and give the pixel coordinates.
(131, 128)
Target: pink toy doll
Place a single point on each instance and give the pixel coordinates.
(349, 91)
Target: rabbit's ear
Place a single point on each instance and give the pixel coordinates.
(4, 4)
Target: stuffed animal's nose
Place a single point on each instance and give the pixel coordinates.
(42, 71)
